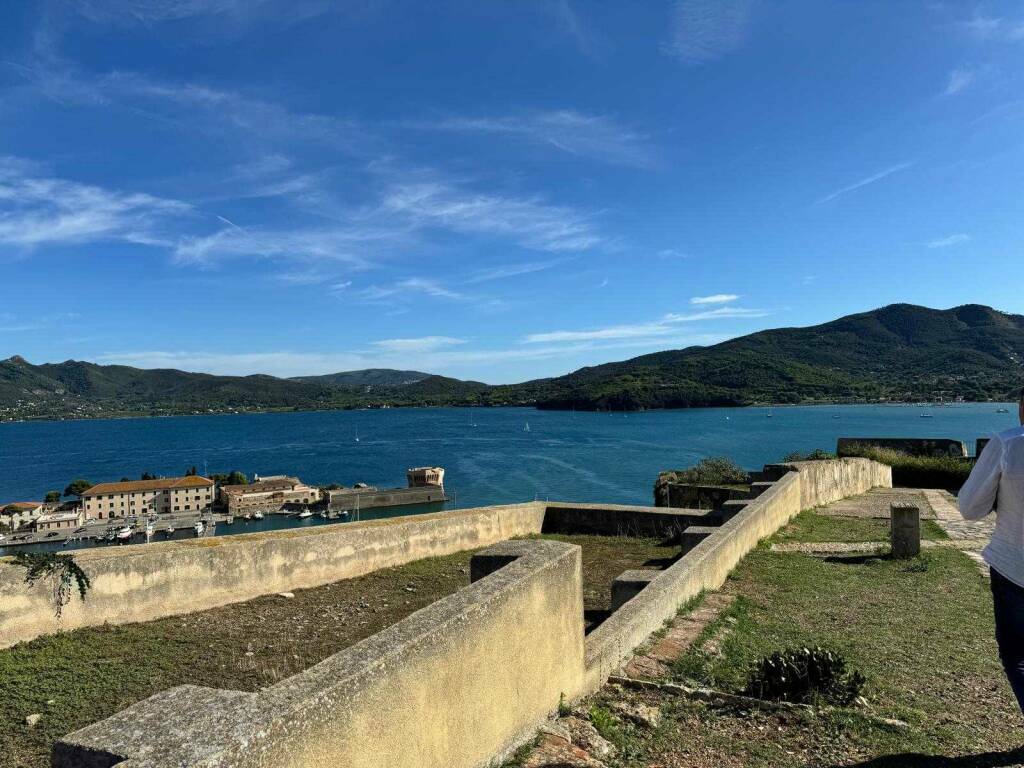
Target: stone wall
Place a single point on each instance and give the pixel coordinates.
(915, 446)
(149, 581)
(452, 686)
(461, 682)
(823, 482)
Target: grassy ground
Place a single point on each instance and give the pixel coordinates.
(920, 630)
(811, 527)
(79, 677)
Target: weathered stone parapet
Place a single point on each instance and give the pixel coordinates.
(915, 446)
(448, 687)
(149, 581)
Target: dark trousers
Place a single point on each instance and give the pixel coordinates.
(1008, 599)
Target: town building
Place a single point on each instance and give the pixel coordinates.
(422, 477)
(166, 495)
(267, 494)
(66, 520)
(20, 513)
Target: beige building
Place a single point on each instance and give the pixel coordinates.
(267, 494)
(60, 521)
(20, 513)
(165, 495)
(423, 477)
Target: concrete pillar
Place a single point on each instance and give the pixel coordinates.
(906, 530)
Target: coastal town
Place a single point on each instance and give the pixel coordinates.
(139, 510)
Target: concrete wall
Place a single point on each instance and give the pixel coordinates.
(452, 686)
(463, 681)
(915, 446)
(148, 581)
(823, 482)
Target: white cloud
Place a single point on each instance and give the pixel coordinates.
(718, 298)
(594, 136)
(421, 344)
(340, 244)
(663, 327)
(574, 25)
(531, 223)
(412, 285)
(959, 79)
(706, 30)
(866, 181)
(503, 271)
(949, 241)
(673, 253)
(41, 210)
(994, 28)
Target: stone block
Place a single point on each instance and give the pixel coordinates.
(906, 530)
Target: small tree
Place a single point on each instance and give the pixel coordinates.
(147, 476)
(52, 497)
(192, 472)
(77, 487)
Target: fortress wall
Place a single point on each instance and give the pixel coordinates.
(149, 581)
(800, 486)
(455, 685)
(824, 482)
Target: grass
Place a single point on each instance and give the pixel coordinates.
(945, 472)
(812, 527)
(921, 631)
(76, 678)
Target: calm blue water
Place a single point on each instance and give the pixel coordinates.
(572, 456)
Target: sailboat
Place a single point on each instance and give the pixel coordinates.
(357, 434)
(527, 427)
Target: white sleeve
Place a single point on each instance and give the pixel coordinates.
(978, 496)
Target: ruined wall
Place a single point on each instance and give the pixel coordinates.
(149, 581)
(452, 686)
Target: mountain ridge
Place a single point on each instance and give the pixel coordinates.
(897, 352)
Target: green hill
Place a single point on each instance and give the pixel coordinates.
(900, 352)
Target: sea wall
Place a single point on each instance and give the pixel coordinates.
(149, 581)
(452, 686)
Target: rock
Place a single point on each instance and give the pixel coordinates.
(641, 714)
(556, 728)
(585, 736)
(288, 595)
(31, 720)
(555, 752)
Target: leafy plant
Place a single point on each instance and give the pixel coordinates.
(804, 675)
(716, 470)
(60, 570)
(605, 723)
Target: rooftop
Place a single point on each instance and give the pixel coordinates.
(278, 483)
(159, 484)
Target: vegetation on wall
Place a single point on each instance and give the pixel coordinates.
(943, 472)
(61, 571)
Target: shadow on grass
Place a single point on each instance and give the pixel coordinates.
(915, 760)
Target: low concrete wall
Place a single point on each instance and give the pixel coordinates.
(149, 581)
(451, 686)
(624, 520)
(800, 486)
(823, 482)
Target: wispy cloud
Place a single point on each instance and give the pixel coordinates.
(959, 79)
(408, 287)
(718, 298)
(706, 30)
(421, 344)
(575, 26)
(598, 137)
(673, 253)
(866, 181)
(666, 326)
(503, 271)
(994, 28)
(37, 209)
(949, 241)
(340, 244)
(530, 222)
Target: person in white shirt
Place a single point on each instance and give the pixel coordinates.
(997, 484)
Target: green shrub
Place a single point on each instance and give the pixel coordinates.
(945, 472)
(818, 454)
(804, 676)
(716, 470)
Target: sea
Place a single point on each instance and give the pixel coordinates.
(492, 455)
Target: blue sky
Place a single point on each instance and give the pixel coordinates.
(494, 190)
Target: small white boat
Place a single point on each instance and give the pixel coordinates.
(199, 527)
(124, 533)
(150, 530)
(247, 516)
(169, 530)
(304, 514)
(229, 520)
(258, 515)
(323, 515)
(527, 427)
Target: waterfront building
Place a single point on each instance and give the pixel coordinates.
(165, 495)
(20, 513)
(423, 477)
(267, 494)
(60, 521)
